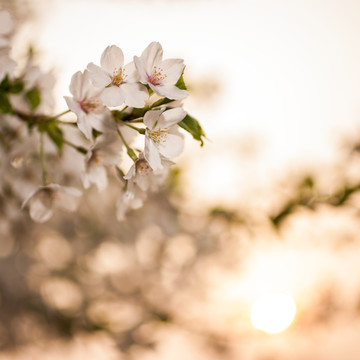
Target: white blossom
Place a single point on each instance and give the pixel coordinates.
(119, 82)
(162, 137)
(161, 75)
(142, 175)
(86, 104)
(45, 199)
(107, 151)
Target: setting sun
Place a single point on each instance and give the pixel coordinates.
(273, 312)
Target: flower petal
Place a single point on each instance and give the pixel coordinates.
(151, 154)
(76, 85)
(113, 96)
(73, 105)
(173, 69)
(169, 91)
(131, 73)
(170, 118)
(99, 77)
(152, 56)
(152, 117)
(84, 125)
(41, 206)
(140, 67)
(131, 173)
(173, 146)
(112, 59)
(95, 174)
(135, 94)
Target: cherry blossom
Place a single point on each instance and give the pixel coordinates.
(162, 137)
(86, 104)
(144, 176)
(45, 199)
(160, 75)
(105, 152)
(119, 82)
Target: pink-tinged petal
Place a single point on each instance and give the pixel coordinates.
(140, 67)
(112, 59)
(152, 56)
(173, 146)
(173, 69)
(73, 105)
(131, 73)
(76, 85)
(152, 117)
(99, 77)
(6, 22)
(113, 96)
(152, 155)
(135, 94)
(84, 126)
(170, 118)
(170, 92)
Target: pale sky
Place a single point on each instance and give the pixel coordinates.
(288, 71)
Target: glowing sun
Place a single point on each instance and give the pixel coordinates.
(273, 312)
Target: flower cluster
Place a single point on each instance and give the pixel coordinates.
(120, 109)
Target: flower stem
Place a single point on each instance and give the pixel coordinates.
(76, 147)
(140, 131)
(130, 151)
(61, 114)
(73, 123)
(45, 175)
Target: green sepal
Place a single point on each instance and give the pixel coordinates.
(33, 97)
(192, 126)
(181, 83)
(5, 105)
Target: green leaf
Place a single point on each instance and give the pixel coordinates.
(5, 105)
(33, 97)
(192, 126)
(55, 133)
(181, 83)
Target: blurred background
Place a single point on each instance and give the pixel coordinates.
(252, 250)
